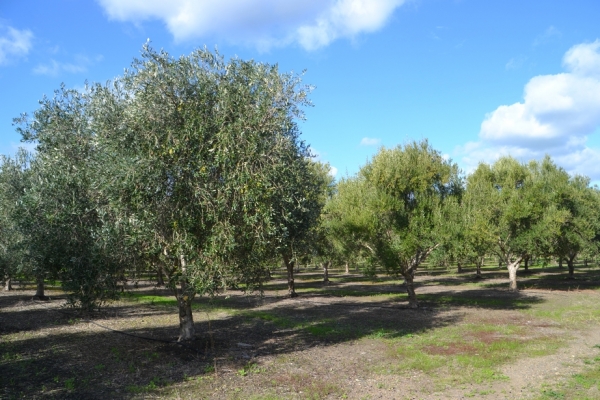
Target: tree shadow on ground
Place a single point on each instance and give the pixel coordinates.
(78, 362)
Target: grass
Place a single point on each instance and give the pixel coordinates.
(169, 301)
(582, 386)
(579, 311)
(469, 353)
(452, 342)
(319, 328)
(471, 301)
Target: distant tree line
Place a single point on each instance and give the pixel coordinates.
(193, 168)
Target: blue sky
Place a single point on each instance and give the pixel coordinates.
(479, 79)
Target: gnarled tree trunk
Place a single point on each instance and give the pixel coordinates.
(512, 273)
(184, 303)
(289, 265)
(410, 289)
(409, 274)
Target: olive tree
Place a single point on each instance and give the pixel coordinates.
(396, 207)
(208, 167)
(14, 173)
(511, 206)
(60, 213)
(581, 227)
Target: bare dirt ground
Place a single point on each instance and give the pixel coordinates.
(352, 339)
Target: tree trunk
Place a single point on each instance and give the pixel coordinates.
(478, 264)
(160, 281)
(289, 265)
(459, 267)
(526, 264)
(39, 293)
(560, 263)
(325, 266)
(571, 265)
(184, 303)
(347, 268)
(186, 319)
(585, 263)
(512, 273)
(410, 289)
(7, 283)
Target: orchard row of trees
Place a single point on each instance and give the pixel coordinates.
(194, 168)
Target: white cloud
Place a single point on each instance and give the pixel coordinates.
(55, 68)
(556, 116)
(346, 18)
(367, 141)
(14, 44)
(333, 171)
(263, 23)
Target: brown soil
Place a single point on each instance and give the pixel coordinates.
(323, 344)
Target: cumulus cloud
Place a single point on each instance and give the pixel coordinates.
(14, 44)
(263, 23)
(346, 18)
(367, 141)
(556, 116)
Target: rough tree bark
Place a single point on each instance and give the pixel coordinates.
(408, 272)
(289, 265)
(184, 303)
(512, 273)
(409, 281)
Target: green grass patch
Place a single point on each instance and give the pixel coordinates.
(489, 302)
(151, 299)
(469, 353)
(580, 310)
(327, 327)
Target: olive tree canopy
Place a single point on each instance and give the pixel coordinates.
(396, 207)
